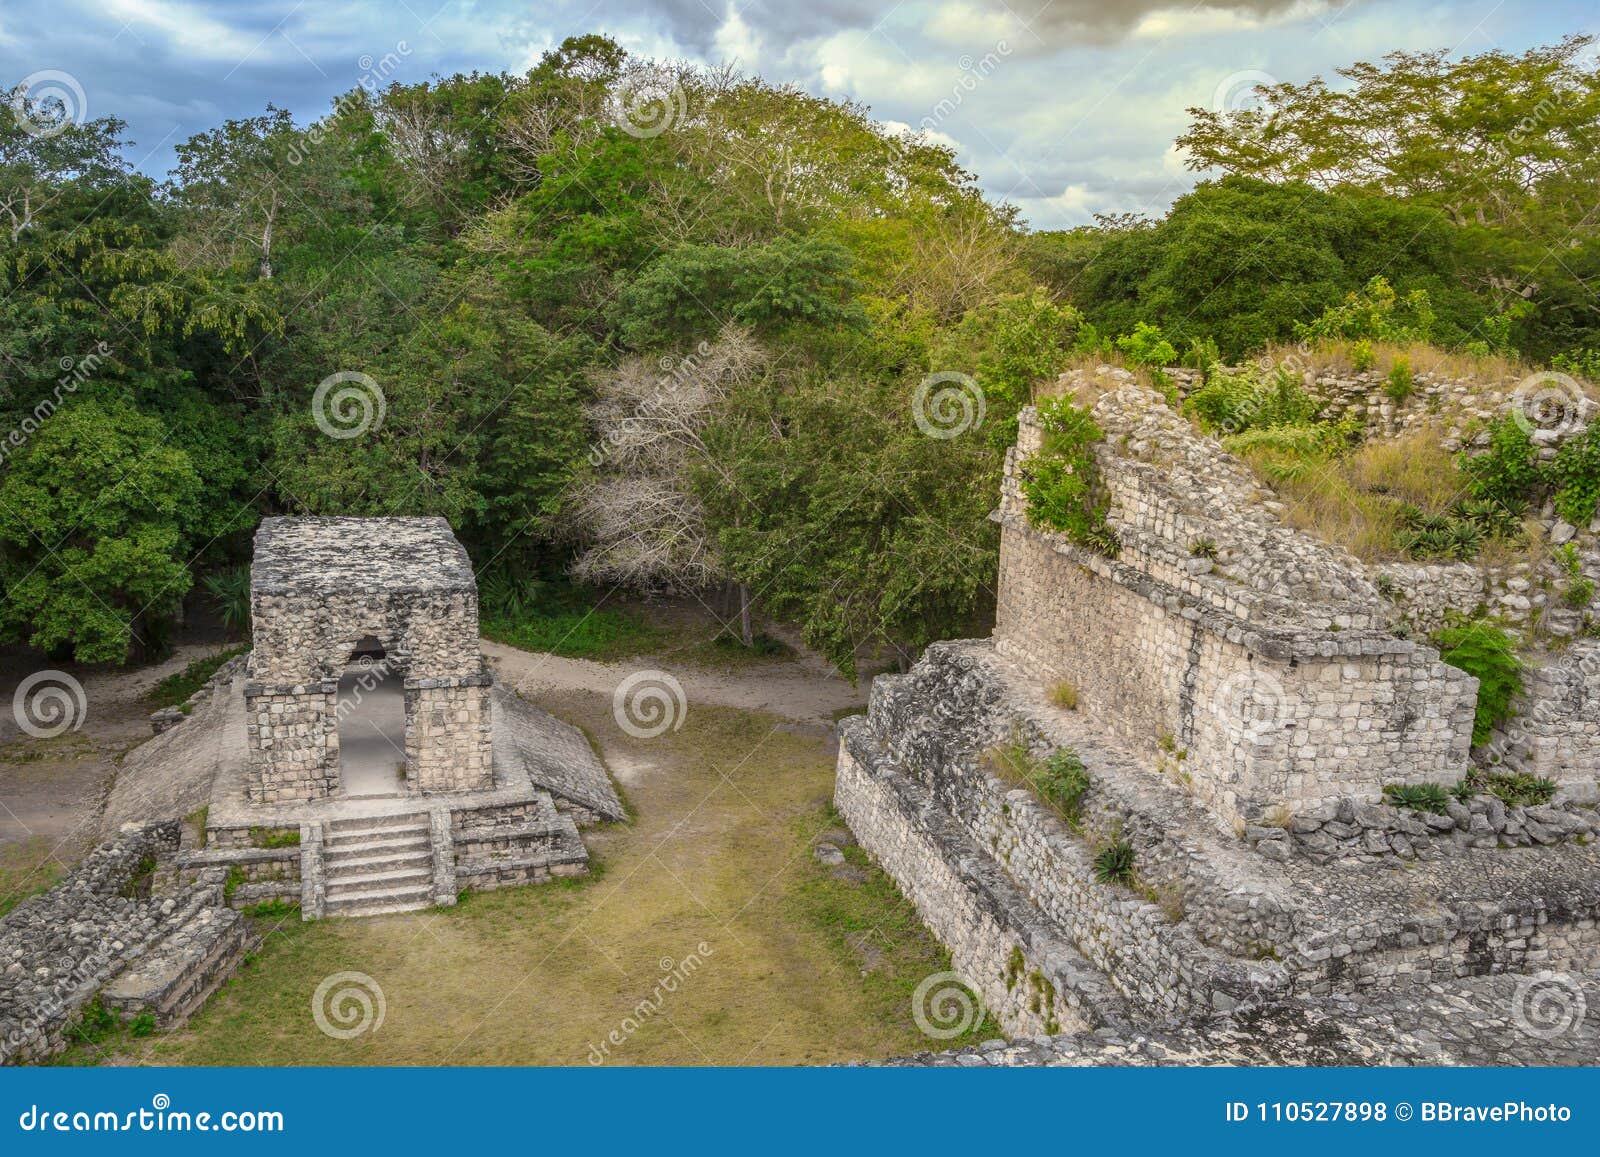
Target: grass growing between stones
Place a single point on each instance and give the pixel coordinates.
(717, 867)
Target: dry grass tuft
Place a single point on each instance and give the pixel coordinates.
(1064, 694)
(1354, 501)
(1340, 357)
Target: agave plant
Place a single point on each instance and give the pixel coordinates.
(231, 589)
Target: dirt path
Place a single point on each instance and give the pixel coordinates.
(803, 690)
(51, 789)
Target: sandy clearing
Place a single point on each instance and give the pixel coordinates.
(803, 690)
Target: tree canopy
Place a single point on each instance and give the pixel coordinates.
(648, 325)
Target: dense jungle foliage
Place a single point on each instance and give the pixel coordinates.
(693, 352)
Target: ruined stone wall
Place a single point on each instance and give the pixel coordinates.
(293, 733)
(1556, 729)
(1215, 923)
(1030, 979)
(449, 740)
(58, 949)
(1253, 650)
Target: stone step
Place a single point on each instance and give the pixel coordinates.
(380, 899)
(373, 825)
(345, 885)
(177, 975)
(389, 845)
(345, 866)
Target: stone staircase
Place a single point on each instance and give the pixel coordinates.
(378, 864)
(177, 974)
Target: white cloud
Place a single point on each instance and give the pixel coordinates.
(1197, 21)
(932, 136)
(965, 26)
(188, 29)
(737, 42)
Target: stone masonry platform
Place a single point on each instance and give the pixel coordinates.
(1209, 926)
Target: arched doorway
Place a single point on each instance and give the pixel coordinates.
(372, 723)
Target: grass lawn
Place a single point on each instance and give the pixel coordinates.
(797, 962)
(26, 869)
(598, 633)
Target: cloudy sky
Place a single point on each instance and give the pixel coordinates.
(1064, 107)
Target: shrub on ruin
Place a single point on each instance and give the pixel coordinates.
(1518, 788)
(1202, 355)
(1483, 648)
(1240, 400)
(1581, 363)
(1439, 536)
(1507, 469)
(1064, 781)
(1062, 481)
(1113, 864)
(94, 1024)
(1574, 475)
(1421, 797)
(1399, 384)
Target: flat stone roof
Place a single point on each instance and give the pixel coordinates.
(338, 555)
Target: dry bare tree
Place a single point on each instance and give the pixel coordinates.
(636, 511)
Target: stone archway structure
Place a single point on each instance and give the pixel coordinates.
(318, 588)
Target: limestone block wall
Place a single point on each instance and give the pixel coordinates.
(1556, 731)
(293, 735)
(1427, 595)
(1021, 967)
(1261, 717)
(1249, 929)
(305, 636)
(58, 949)
(449, 740)
(319, 586)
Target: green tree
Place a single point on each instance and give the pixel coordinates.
(93, 549)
